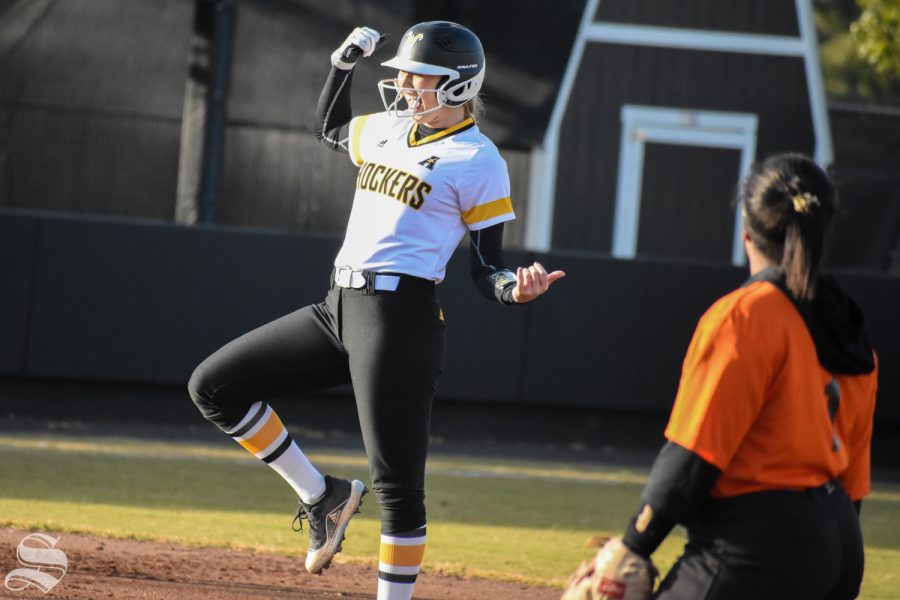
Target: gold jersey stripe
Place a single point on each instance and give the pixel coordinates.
(263, 438)
(401, 556)
(439, 134)
(356, 129)
(486, 211)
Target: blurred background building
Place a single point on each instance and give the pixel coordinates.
(161, 190)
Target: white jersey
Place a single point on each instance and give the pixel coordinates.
(415, 200)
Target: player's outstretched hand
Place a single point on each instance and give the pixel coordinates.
(533, 281)
(362, 41)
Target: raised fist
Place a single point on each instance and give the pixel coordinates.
(362, 41)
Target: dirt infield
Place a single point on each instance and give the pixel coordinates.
(123, 569)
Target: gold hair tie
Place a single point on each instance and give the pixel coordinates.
(803, 202)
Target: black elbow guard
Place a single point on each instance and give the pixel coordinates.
(647, 530)
(679, 483)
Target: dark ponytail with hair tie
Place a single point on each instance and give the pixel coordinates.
(788, 201)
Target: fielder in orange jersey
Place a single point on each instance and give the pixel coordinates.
(767, 458)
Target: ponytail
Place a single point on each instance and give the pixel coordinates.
(788, 202)
(800, 271)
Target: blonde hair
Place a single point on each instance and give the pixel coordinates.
(474, 107)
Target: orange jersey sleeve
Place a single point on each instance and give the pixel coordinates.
(854, 422)
(723, 384)
(752, 399)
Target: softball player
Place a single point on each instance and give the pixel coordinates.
(426, 176)
(769, 438)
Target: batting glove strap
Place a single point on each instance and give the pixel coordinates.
(361, 42)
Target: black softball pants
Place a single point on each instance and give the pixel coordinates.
(389, 345)
(803, 545)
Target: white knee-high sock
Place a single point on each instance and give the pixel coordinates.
(398, 564)
(263, 435)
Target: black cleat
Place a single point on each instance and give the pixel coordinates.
(328, 519)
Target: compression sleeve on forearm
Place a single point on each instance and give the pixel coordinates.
(493, 280)
(333, 110)
(678, 483)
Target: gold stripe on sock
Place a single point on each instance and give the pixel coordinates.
(402, 556)
(263, 438)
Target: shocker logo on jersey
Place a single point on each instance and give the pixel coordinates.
(429, 162)
(394, 183)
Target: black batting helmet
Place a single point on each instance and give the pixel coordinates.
(446, 49)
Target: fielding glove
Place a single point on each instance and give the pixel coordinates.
(616, 573)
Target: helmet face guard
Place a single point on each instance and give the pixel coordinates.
(448, 93)
(402, 94)
(435, 48)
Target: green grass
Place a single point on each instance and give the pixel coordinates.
(514, 520)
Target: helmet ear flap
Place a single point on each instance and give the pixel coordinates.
(461, 92)
(442, 97)
(450, 97)
(446, 92)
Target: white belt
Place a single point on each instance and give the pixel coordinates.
(346, 277)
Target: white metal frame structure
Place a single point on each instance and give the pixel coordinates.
(643, 124)
(538, 231)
